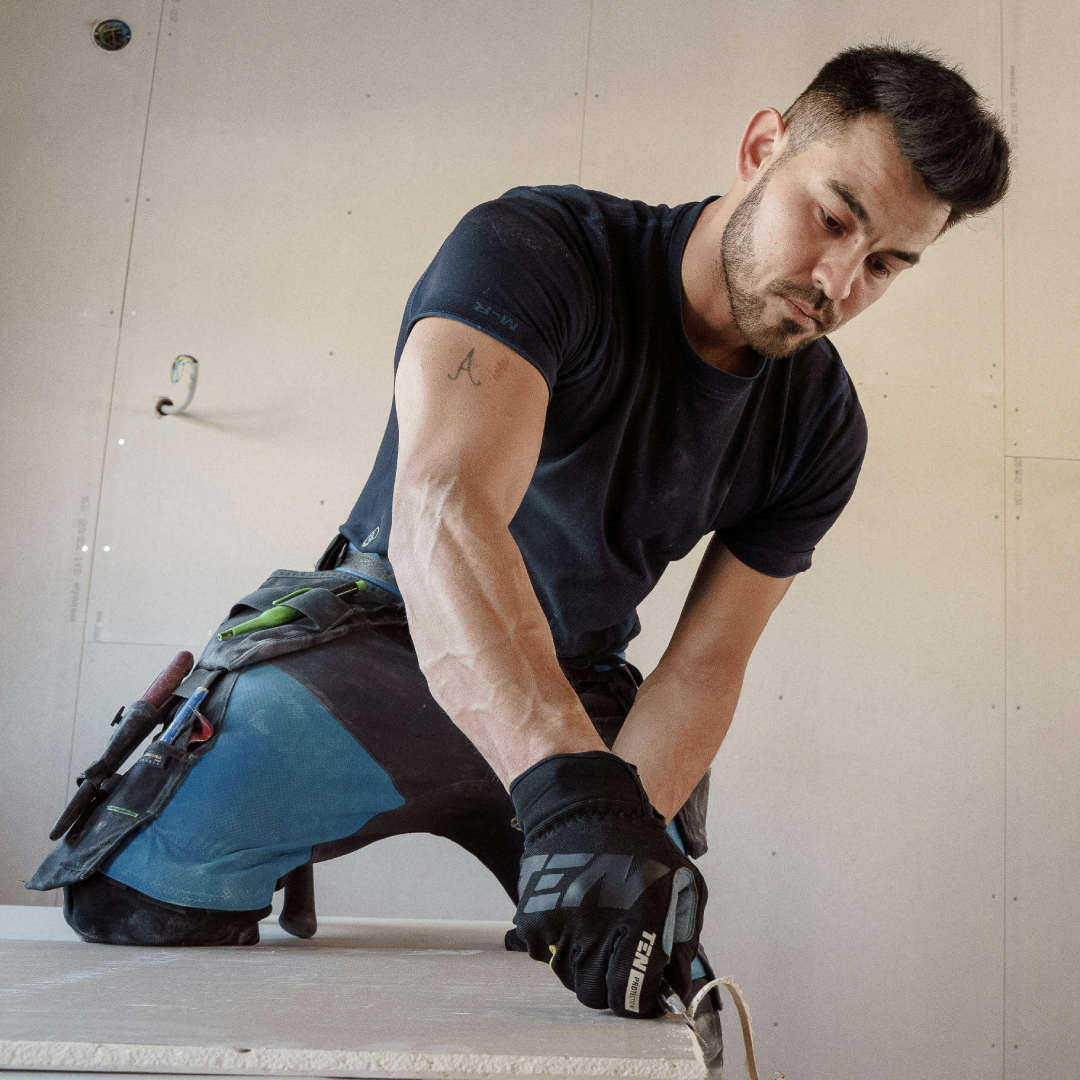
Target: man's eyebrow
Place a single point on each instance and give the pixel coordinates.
(863, 218)
(848, 196)
(908, 257)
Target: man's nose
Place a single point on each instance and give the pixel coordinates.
(835, 274)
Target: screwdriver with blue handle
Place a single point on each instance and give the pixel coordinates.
(280, 612)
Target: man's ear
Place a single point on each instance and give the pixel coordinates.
(762, 142)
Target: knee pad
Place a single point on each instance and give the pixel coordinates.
(106, 912)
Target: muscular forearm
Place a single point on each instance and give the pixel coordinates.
(481, 636)
(684, 708)
(675, 728)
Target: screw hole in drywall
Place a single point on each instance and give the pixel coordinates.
(112, 34)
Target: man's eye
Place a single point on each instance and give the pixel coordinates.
(880, 269)
(831, 222)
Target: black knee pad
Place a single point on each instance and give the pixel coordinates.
(106, 912)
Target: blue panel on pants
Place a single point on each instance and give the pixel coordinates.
(283, 775)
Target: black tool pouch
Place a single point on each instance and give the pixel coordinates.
(127, 802)
(324, 617)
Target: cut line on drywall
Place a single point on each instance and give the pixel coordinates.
(112, 395)
(585, 94)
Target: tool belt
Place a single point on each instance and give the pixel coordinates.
(128, 802)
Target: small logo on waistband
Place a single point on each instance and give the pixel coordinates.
(372, 536)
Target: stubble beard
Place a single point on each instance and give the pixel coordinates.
(775, 338)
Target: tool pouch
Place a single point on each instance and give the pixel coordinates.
(325, 617)
(128, 802)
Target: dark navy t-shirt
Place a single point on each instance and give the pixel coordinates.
(646, 447)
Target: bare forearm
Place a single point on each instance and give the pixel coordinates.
(481, 637)
(675, 729)
(684, 708)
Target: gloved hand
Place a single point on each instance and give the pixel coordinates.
(605, 895)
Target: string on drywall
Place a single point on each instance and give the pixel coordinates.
(744, 1020)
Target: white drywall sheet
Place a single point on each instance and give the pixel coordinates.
(360, 999)
(71, 129)
(857, 805)
(1042, 252)
(1042, 928)
(295, 186)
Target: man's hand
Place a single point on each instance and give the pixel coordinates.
(605, 896)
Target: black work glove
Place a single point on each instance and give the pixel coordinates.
(605, 895)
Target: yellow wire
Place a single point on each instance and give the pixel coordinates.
(179, 362)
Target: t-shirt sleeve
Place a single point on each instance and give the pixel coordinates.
(779, 539)
(517, 269)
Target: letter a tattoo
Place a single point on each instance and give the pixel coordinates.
(466, 366)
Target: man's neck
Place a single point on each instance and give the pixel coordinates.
(707, 317)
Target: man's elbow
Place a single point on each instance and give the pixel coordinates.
(715, 674)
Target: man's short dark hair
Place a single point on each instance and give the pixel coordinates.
(953, 141)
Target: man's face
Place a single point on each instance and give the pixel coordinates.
(822, 234)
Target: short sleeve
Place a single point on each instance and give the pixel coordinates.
(779, 539)
(518, 269)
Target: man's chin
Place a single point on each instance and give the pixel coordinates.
(784, 339)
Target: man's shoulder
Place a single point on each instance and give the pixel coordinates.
(553, 226)
(559, 200)
(597, 210)
(572, 197)
(548, 222)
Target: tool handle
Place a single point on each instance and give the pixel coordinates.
(162, 687)
(84, 799)
(342, 590)
(139, 718)
(184, 715)
(280, 613)
(272, 616)
(138, 721)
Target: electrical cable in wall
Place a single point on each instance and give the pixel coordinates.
(165, 405)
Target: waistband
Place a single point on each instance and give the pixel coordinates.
(376, 569)
(370, 567)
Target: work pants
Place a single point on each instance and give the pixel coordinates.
(318, 752)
